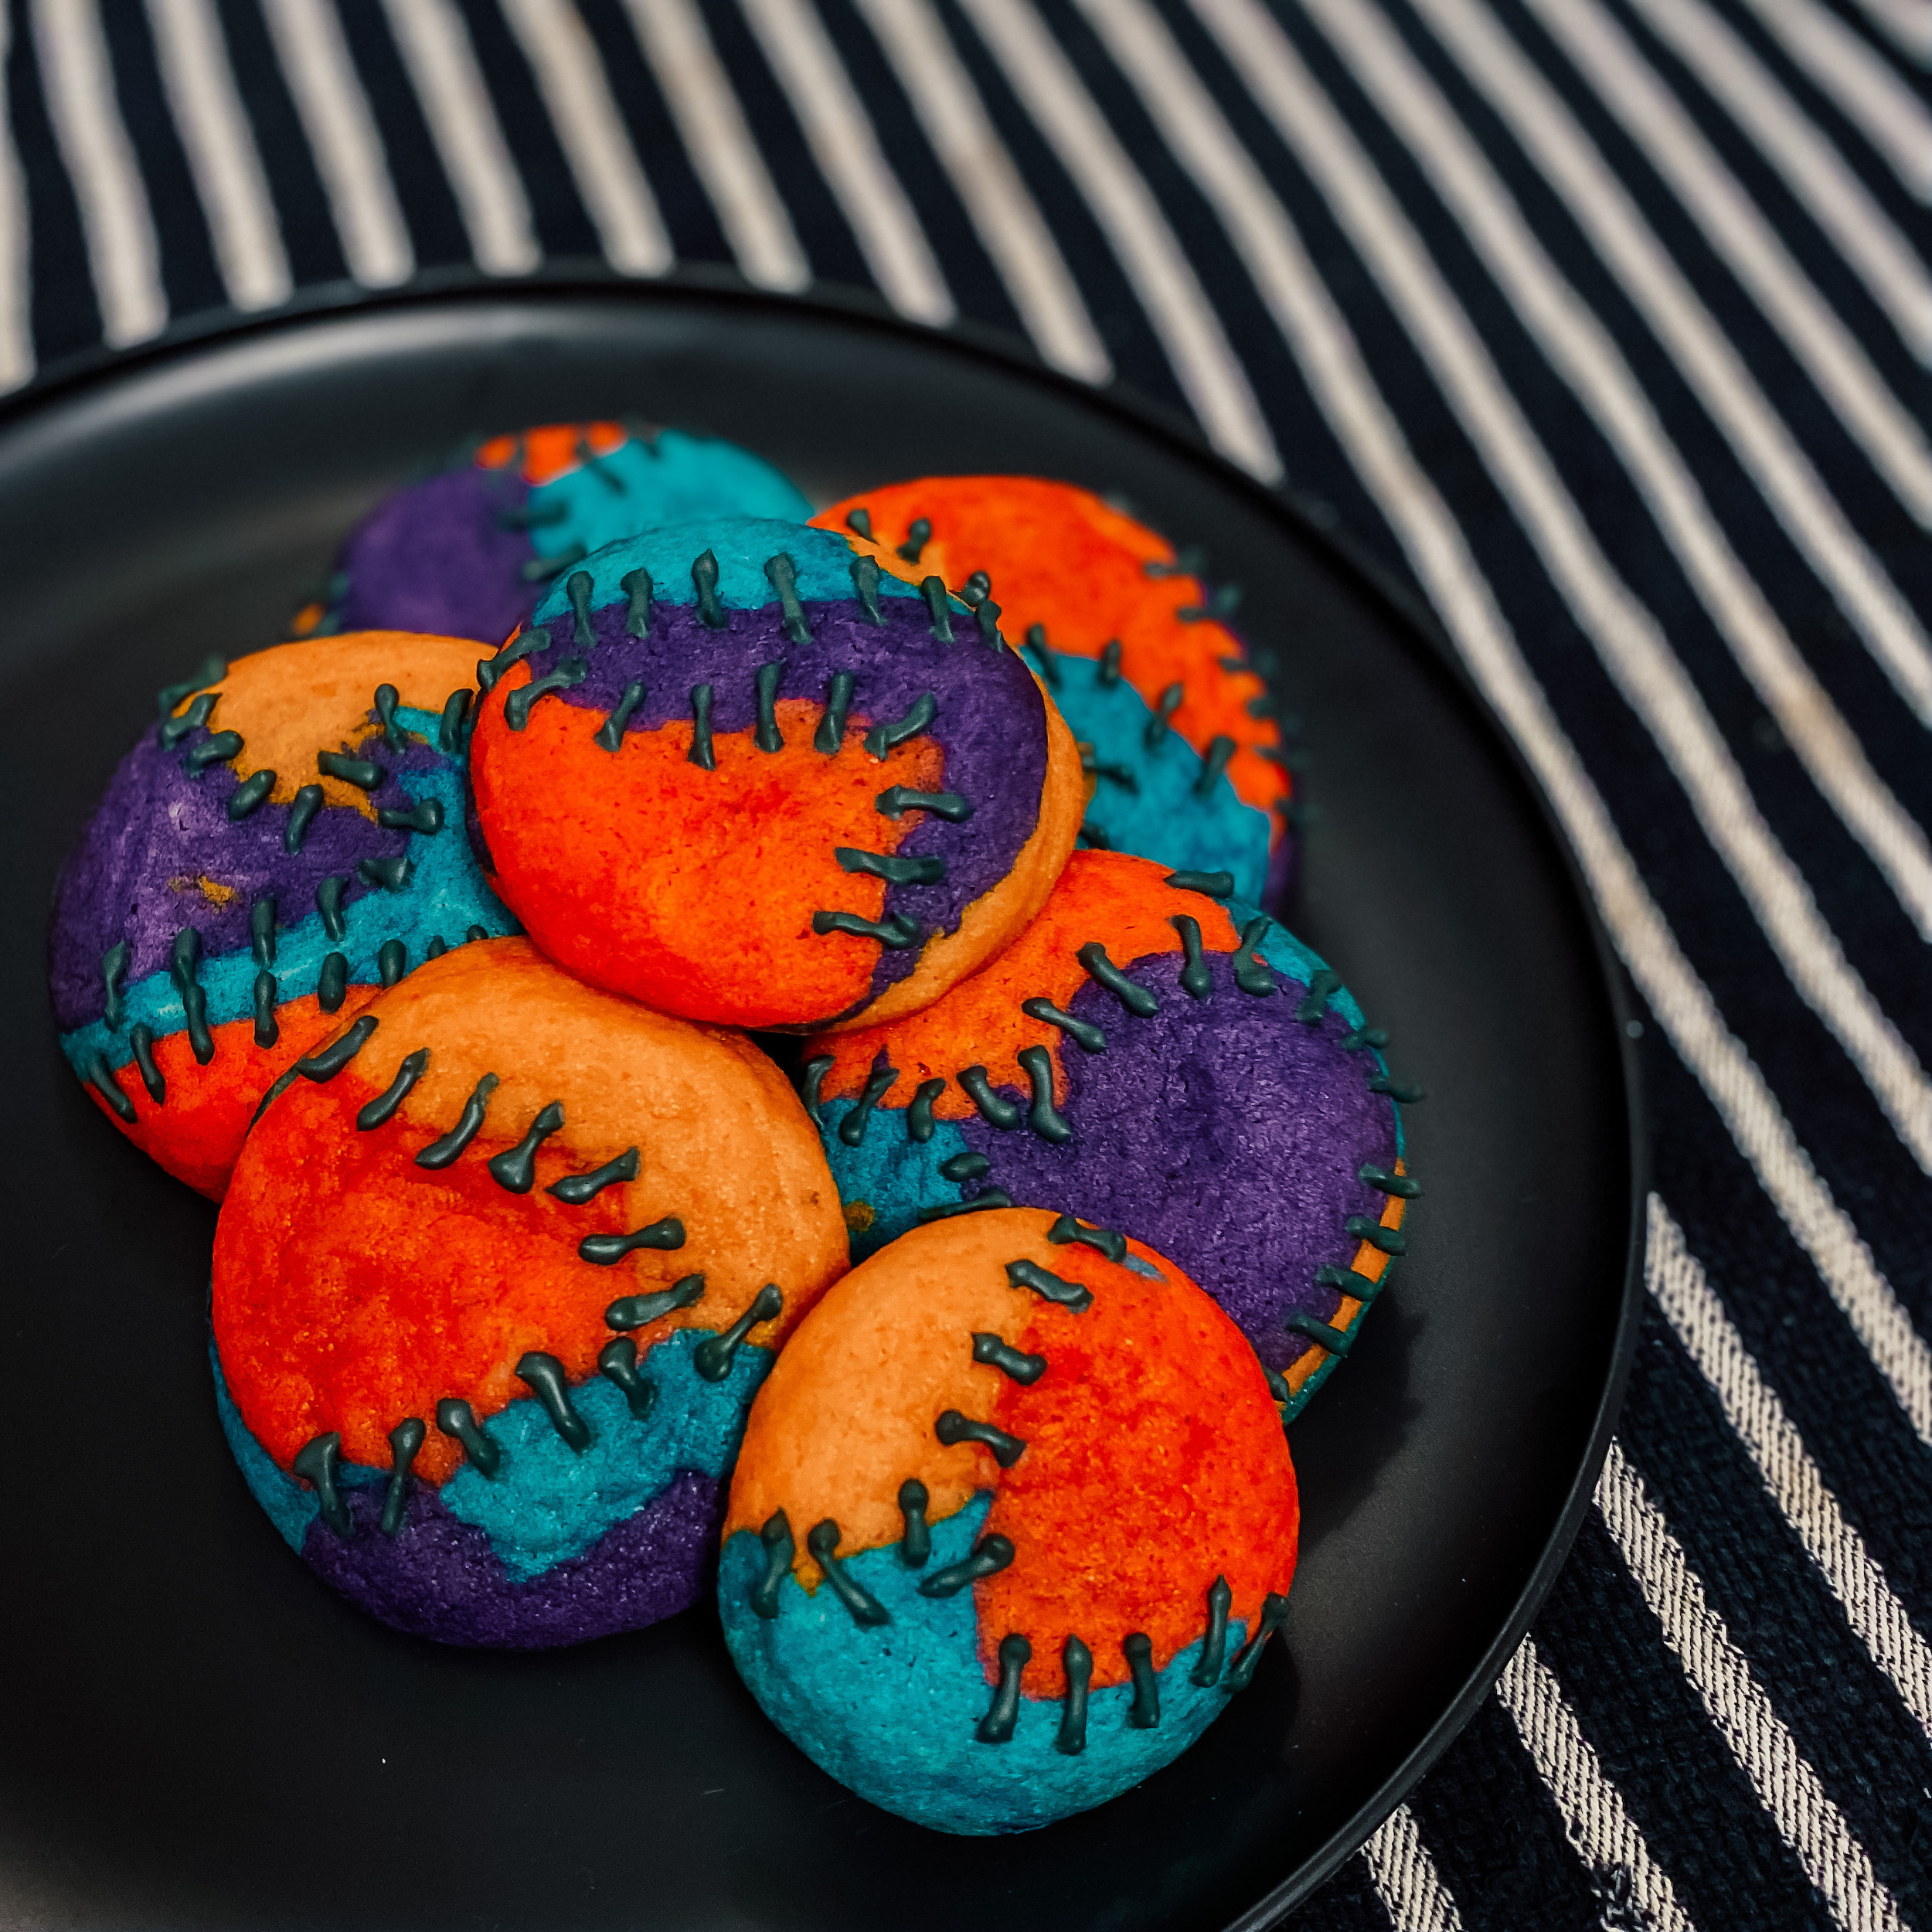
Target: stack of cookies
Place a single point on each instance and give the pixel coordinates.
(775, 1078)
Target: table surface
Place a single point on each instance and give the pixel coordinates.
(1602, 322)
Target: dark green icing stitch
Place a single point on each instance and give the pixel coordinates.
(1346, 1281)
(1105, 1241)
(333, 1058)
(811, 1079)
(618, 1363)
(637, 586)
(704, 580)
(1051, 675)
(896, 931)
(994, 1109)
(101, 1077)
(516, 1167)
(141, 1037)
(386, 703)
(566, 677)
(391, 872)
(996, 1727)
(992, 1198)
(1225, 601)
(821, 1543)
(864, 584)
(213, 669)
(636, 1311)
(1278, 1388)
(949, 805)
(918, 535)
(889, 867)
(993, 1352)
(540, 568)
(701, 753)
(915, 1543)
(1214, 884)
(952, 1428)
(577, 589)
(183, 964)
(965, 1167)
(1077, 1660)
(492, 668)
(1220, 750)
(1138, 1647)
(784, 580)
(975, 590)
(919, 1116)
(1384, 1183)
(1110, 671)
(881, 738)
(1121, 775)
(249, 793)
(766, 734)
(1390, 1240)
(609, 736)
(1135, 997)
(986, 615)
(391, 962)
(1336, 1341)
(776, 1538)
(441, 1153)
(329, 902)
(218, 749)
(1158, 724)
(1214, 1652)
(302, 815)
(1042, 1117)
(1396, 1090)
(379, 1111)
(1251, 974)
(1358, 1037)
(606, 1250)
(1274, 1611)
(404, 1440)
(1050, 1287)
(261, 930)
(437, 946)
(365, 773)
(830, 735)
(544, 1374)
(938, 607)
(425, 816)
(1263, 706)
(332, 983)
(114, 970)
(316, 1462)
(713, 1357)
(457, 1421)
(266, 992)
(860, 522)
(173, 729)
(852, 1129)
(991, 1555)
(1313, 1005)
(449, 727)
(476, 933)
(1187, 561)
(1196, 982)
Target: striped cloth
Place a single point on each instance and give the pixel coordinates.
(1606, 320)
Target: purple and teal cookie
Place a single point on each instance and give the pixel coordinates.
(286, 841)
(1160, 1062)
(736, 772)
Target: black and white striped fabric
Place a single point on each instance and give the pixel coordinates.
(1609, 322)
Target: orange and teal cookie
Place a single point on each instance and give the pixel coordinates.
(1180, 736)
(471, 552)
(499, 1272)
(739, 773)
(1013, 1520)
(1164, 1060)
(286, 840)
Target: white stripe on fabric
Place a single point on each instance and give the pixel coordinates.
(334, 112)
(1812, 166)
(1204, 362)
(577, 95)
(711, 123)
(1865, 89)
(1626, 636)
(124, 255)
(844, 143)
(1439, 552)
(1771, 455)
(1595, 1818)
(1586, 355)
(435, 46)
(1735, 227)
(16, 266)
(227, 167)
(1411, 1889)
(1001, 207)
(1879, 1619)
(1727, 1687)
(1907, 22)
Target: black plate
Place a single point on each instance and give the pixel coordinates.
(193, 1732)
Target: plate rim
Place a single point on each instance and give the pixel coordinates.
(210, 333)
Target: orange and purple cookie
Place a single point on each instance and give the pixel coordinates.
(1180, 736)
(737, 772)
(1014, 1518)
(287, 839)
(470, 552)
(1162, 1062)
(498, 1274)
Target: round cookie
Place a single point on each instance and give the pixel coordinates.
(737, 773)
(1178, 1069)
(1013, 1519)
(498, 1274)
(470, 551)
(286, 840)
(1181, 741)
